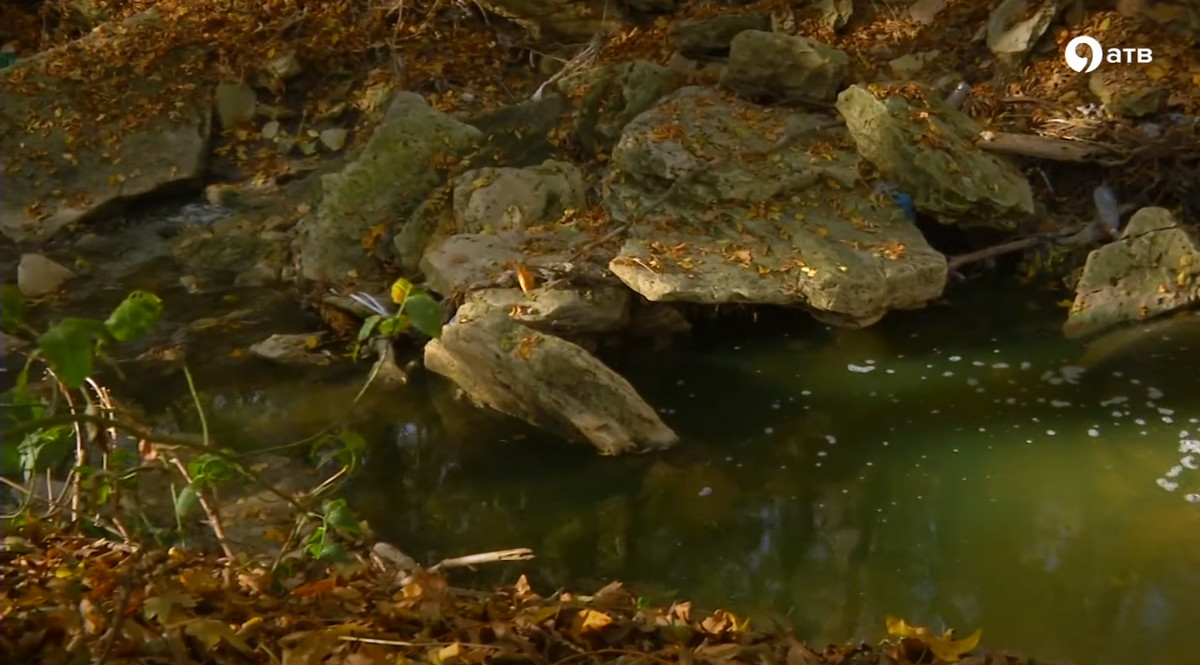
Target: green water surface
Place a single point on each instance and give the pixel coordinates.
(959, 466)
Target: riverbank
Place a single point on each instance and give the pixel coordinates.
(68, 597)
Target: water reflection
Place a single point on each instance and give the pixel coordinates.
(934, 472)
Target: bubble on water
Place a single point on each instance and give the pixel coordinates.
(1168, 419)
(1174, 471)
(890, 371)
(1050, 432)
(955, 359)
(947, 373)
(1058, 404)
(1093, 432)
(1072, 373)
(769, 430)
(972, 382)
(1139, 421)
(1117, 414)
(1056, 381)
(1189, 462)
(1011, 400)
(705, 491)
(885, 443)
(1026, 365)
(981, 429)
(1136, 382)
(870, 362)
(1183, 434)
(1166, 412)
(935, 412)
(1192, 498)
(1154, 393)
(1000, 366)
(806, 393)
(831, 439)
(821, 453)
(860, 369)
(1167, 485)
(1113, 401)
(978, 363)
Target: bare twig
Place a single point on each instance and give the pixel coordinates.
(961, 260)
(518, 554)
(214, 518)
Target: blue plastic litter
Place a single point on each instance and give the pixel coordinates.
(901, 199)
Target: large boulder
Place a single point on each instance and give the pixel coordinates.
(770, 66)
(720, 212)
(547, 382)
(74, 144)
(610, 96)
(929, 151)
(1153, 269)
(396, 171)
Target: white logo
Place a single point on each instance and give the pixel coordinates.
(1098, 54)
(1081, 64)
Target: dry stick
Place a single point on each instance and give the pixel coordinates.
(961, 260)
(75, 481)
(110, 638)
(518, 554)
(214, 519)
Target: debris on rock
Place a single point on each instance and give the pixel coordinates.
(291, 349)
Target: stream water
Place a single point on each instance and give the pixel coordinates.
(959, 466)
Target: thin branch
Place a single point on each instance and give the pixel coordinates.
(214, 518)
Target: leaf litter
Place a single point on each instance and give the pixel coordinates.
(67, 598)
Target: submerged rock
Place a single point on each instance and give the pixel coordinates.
(547, 382)
(391, 177)
(96, 163)
(930, 153)
(291, 349)
(719, 212)
(38, 276)
(1154, 268)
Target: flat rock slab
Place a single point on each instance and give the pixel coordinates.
(557, 311)
(1153, 269)
(546, 381)
(61, 166)
(718, 216)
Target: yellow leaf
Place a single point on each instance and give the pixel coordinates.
(449, 654)
(312, 341)
(1066, 304)
(1105, 24)
(952, 651)
(898, 628)
(1155, 72)
(400, 290)
(591, 620)
(162, 606)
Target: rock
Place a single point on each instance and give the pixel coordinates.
(712, 36)
(508, 199)
(235, 102)
(1181, 17)
(38, 276)
(547, 382)
(612, 96)
(1013, 29)
(657, 321)
(908, 66)
(291, 349)
(768, 66)
(333, 139)
(465, 259)
(260, 274)
(227, 251)
(519, 135)
(168, 149)
(564, 312)
(390, 178)
(1128, 92)
(565, 21)
(835, 14)
(951, 178)
(278, 71)
(785, 228)
(925, 11)
(1154, 268)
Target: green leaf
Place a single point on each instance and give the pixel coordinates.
(393, 325)
(353, 441)
(368, 327)
(68, 348)
(338, 516)
(186, 502)
(331, 552)
(12, 307)
(135, 316)
(425, 314)
(208, 470)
